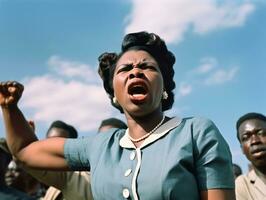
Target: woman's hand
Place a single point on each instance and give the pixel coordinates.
(10, 93)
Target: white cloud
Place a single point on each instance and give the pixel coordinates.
(225, 16)
(51, 97)
(207, 64)
(184, 89)
(208, 73)
(71, 69)
(171, 19)
(221, 76)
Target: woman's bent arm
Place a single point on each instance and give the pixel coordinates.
(22, 141)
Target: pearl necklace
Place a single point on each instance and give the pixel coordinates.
(147, 134)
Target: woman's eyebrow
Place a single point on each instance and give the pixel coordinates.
(148, 62)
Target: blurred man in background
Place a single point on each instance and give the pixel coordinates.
(7, 192)
(108, 123)
(237, 170)
(251, 133)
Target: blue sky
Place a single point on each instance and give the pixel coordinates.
(52, 48)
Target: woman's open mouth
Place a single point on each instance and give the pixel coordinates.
(138, 92)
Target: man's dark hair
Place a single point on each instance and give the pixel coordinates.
(248, 116)
(237, 170)
(114, 122)
(72, 132)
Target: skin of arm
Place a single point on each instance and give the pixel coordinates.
(22, 142)
(218, 194)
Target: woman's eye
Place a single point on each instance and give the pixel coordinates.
(149, 67)
(124, 68)
(152, 67)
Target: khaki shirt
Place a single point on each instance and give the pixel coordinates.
(73, 185)
(250, 187)
(53, 194)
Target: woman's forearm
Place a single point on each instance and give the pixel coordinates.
(18, 132)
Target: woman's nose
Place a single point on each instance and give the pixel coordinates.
(136, 73)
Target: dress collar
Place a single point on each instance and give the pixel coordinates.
(125, 142)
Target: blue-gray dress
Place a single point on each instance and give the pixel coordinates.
(177, 161)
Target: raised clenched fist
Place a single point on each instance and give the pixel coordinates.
(10, 93)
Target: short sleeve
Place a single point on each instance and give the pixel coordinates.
(83, 154)
(212, 157)
(77, 154)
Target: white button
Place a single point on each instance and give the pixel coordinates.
(125, 193)
(128, 172)
(132, 155)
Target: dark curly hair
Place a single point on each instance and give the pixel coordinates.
(155, 46)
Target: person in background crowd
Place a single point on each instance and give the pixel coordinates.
(157, 157)
(251, 133)
(6, 192)
(237, 170)
(61, 129)
(63, 185)
(19, 179)
(106, 124)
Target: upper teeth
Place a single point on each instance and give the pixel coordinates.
(137, 95)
